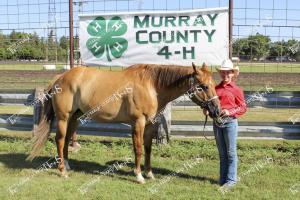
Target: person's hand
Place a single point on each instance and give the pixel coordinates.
(205, 112)
(224, 113)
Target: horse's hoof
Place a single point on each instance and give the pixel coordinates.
(64, 174)
(140, 179)
(150, 175)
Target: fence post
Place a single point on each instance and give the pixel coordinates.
(71, 33)
(230, 19)
(39, 91)
(164, 126)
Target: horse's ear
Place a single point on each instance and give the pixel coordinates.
(204, 67)
(194, 67)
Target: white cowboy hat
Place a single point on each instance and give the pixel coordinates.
(228, 65)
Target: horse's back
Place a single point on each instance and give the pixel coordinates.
(121, 94)
(85, 88)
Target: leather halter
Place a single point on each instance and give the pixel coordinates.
(198, 87)
(203, 104)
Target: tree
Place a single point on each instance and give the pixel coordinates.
(253, 47)
(240, 47)
(259, 46)
(293, 48)
(3, 55)
(278, 49)
(63, 42)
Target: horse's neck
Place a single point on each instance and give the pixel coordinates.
(169, 94)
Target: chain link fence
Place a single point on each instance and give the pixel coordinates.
(34, 37)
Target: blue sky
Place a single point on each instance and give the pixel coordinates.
(280, 19)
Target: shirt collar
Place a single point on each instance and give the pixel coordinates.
(231, 84)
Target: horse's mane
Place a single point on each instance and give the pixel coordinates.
(161, 75)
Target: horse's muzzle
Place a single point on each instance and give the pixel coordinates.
(215, 112)
(214, 108)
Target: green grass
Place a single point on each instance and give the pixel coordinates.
(30, 66)
(20, 83)
(252, 115)
(270, 67)
(24, 85)
(281, 88)
(39, 66)
(192, 114)
(244, 67)
(15, 109)
(267, 67)
(270, 181)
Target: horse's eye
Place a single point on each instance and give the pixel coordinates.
(199, 88)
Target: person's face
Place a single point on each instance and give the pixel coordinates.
(227, 75)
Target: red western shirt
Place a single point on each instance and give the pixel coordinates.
(231, 98)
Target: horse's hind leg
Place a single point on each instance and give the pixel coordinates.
(62, 122)
(148, 135)
(72, 126)
(137, 137)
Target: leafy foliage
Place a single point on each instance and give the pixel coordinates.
(256, 47)
(26, 46)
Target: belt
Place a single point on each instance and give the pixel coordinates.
(219, 121)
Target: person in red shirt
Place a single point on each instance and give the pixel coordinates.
(226, 125)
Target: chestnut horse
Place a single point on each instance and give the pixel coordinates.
(146, 89)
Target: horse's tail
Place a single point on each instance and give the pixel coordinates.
(45, 118)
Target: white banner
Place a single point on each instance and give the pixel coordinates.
(177, 37)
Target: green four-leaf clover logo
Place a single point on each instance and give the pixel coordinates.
(105, 37)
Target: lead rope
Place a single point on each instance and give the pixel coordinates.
(203, 132)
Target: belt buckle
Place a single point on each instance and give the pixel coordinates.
(219, 121)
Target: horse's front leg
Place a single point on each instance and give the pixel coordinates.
(137, 137)
(148, 135)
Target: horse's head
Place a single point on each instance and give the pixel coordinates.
(203, 91)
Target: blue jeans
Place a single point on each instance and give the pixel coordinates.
(226, 140)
